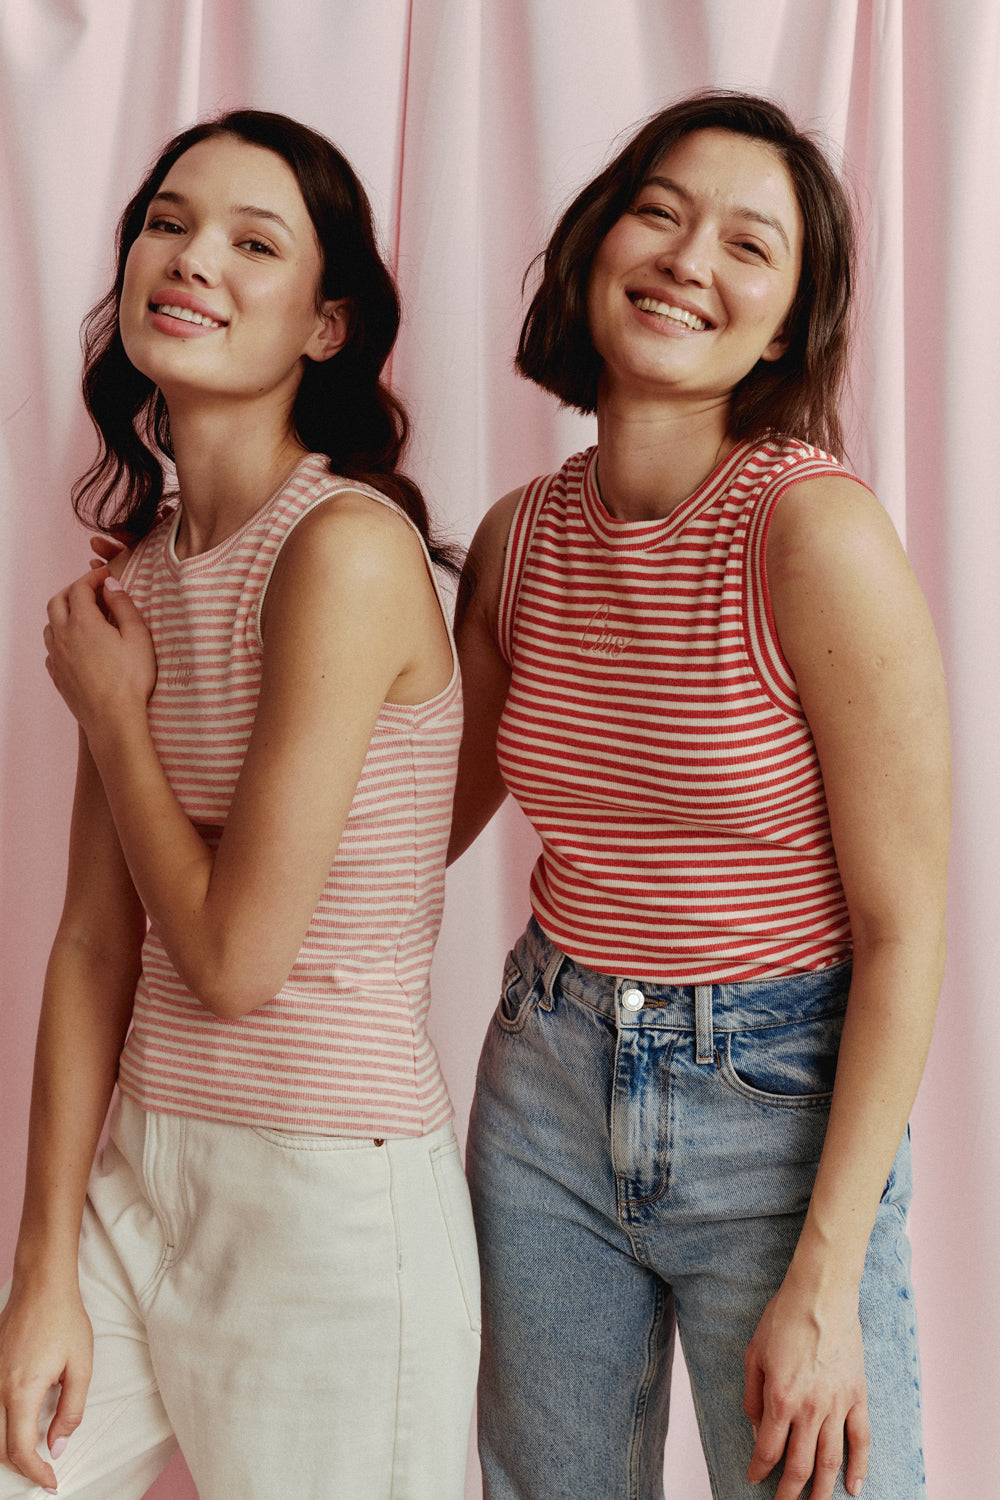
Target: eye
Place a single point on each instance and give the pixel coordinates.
(165, 226)
(752, 247)
(655, 211)
(257, 247)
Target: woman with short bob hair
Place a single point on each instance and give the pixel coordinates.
(272, 1262)
(800, 393)
(698, 658)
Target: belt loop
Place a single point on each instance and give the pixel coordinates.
(703, 1023)
(550, 976)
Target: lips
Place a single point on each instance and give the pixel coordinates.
(185, 314)
(183, 307)
(682, 316)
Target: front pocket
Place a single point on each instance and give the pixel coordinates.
(790, 1067)
(302, 1140)
(456, 1210)
(518, 996)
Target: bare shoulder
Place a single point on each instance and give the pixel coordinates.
(494, 529)
(483, 571)
(352, 539)
(846, 604)
(824, 524)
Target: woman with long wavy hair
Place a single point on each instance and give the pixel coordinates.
(277, 1267)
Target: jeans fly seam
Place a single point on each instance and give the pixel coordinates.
(626, 1202)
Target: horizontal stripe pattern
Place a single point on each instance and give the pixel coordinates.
(343, 1049)
(653, 733)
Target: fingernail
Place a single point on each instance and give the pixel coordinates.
(112, 585)
(58, 1448)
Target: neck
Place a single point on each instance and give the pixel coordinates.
(229, 462)
(651, 457)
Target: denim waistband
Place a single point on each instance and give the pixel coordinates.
(635, 1002)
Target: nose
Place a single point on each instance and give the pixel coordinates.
(195, 262)
(688, 258)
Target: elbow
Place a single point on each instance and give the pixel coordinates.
(231, 991)
(229, 1004)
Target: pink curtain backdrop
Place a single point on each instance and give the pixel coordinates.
(472, 121)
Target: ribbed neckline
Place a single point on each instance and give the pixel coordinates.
(656, 535)
(215, 555)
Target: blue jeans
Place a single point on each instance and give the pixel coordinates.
(641, 1158)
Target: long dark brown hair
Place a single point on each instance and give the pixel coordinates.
(343, 407)
(798, 394)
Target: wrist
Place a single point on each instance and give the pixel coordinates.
(47, 1267)
(116, 733)
(826, 1267)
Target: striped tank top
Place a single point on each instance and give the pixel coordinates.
(653, 733)
(343, 1048)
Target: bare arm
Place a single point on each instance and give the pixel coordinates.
(351, 621)
(45, 1337)
(856, 632)
(480, 790)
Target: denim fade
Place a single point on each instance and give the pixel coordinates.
(641, 1158)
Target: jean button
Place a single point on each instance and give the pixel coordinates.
(633, 999)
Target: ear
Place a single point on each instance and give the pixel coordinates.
(332, 333)
(778, 345)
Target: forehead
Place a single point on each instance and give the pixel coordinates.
(732, 172)
(233, 173)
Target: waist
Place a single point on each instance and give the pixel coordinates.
(632, 1000)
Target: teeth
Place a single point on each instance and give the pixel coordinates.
(675, 314)
(186, 315)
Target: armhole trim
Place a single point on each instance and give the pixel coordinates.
(522, 527)
(763, 646)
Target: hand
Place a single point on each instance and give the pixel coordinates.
(805, 1389)
(105, 549)
(45, 1341)
(100, 654)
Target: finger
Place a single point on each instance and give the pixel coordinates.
(57, 608)
(84, 589)
(753, 1389)
(800, 1465)
(829, 1458)
(106, 547)
(22, 1452)
(119, 605)
(69, 1411)
(771, 1436)
(81, 595)
(859, 1441)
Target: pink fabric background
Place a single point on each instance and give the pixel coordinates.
(472, 121)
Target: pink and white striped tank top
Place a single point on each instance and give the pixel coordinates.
(653, 733)
(343, 1048)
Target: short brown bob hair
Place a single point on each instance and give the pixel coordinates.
(797, 394)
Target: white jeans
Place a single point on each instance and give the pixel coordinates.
(299, 1313)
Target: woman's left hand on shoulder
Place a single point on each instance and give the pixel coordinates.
(99, 653)
(805, 1393)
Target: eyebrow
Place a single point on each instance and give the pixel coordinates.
(238, 210)
(741, 210)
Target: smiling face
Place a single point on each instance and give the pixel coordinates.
(220, 288)
(692, 285)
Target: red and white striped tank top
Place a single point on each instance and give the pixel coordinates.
(343, 1048)
(653, 733)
